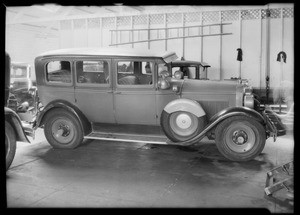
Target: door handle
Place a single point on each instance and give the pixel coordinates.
(118, 92)
(109, 91)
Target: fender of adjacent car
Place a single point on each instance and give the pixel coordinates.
(15, 122)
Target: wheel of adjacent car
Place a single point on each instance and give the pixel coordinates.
(181, 125)
(240, 138)
(10, 144)
(62, 129)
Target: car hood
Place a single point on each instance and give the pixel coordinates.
(210, 86)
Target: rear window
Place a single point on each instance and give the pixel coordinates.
(58, 72)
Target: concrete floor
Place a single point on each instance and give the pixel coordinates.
(116, 174)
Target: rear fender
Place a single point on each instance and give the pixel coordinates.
(84, 123)
(14, 120)
(186, 105)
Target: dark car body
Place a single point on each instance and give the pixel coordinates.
(13, 126)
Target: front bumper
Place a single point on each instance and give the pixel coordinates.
(274, 126)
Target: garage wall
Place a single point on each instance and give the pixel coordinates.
(23, 44)
(260, 37)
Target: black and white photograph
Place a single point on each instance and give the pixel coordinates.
(149, 106)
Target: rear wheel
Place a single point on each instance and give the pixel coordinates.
(240, 138)
(10, 144)
(62, 129)
(181, 125)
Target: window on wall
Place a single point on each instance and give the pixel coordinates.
(135, 72)
(58, 72)
(92, 72)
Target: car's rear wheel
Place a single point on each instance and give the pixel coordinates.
(10, 144)
(62, 129)
(240, 138)
(181, 125)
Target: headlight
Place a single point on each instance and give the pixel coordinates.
(249, 100)
(178, 74)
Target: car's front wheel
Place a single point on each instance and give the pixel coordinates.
(62, 129)
(10, 144)
(240, 138)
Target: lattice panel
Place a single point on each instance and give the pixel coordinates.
(94, 23)
(288, 12)
(211, 16)
(123, 21)
(230, 15)
(250, 14)
(108, 22)
(140, 20)
(263, 14)
(192, 17)
(79, 23)
(174, 18)
(65, 24)
(275, 13)
(156, 19)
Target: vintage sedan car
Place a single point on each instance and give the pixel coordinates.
(130, 95)
(21, 84)
(189, 69)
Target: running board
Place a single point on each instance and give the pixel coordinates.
(134, 138)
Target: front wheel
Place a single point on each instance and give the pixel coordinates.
(240, 138)
(10, 144)
(62, 129)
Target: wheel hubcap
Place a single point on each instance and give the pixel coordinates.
(62, 131)
(183, 123)
(240, 137)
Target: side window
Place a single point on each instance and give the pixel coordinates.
(58, 72)
(135, 72)
(93, 72)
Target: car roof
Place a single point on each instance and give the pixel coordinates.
(106, 51)
(19, 63)
(188, 63)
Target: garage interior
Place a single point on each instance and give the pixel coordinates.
(237, 41)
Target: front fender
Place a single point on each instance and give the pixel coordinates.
(186, 105)
(14, 120)
(85, 124)
(220, 116)
(237, 111)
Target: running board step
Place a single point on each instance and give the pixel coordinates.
(135, 138)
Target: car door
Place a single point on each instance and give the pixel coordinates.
(134, 91)
(93, 89)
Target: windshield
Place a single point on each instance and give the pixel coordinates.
(18, 72)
